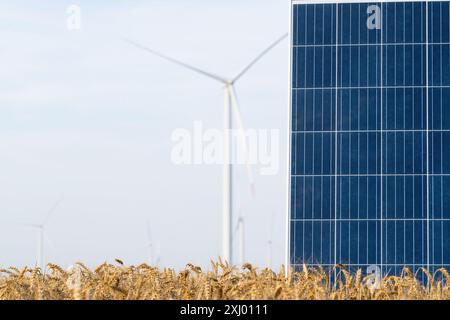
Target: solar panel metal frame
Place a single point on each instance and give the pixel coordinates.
(292, 3)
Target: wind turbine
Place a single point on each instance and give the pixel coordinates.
(40, 227)
(230, 106)
(269, 243)
(153, 255)
(269, 253)
(240, 226)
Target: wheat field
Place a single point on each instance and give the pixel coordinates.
(143, 282)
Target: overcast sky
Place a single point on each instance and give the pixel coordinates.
(88, 117)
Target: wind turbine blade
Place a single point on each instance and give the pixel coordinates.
(149, 233)
(261, 55)
(236, 229)
(51, 211)
(177, 62)
(238, 209)
(241, 129)
(239, 223)
(30, 225)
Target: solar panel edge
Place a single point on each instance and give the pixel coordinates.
(287, 239)
(300, 2)
(290, 126)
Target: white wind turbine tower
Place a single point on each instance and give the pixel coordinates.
(230, 106)
(240, 226)
(153, 253)
(269, 244)
(269, 254)
(149, 244)
(40, 227)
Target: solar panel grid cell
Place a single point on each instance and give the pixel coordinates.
(370, 170)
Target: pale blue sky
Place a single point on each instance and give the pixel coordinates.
(86, 116)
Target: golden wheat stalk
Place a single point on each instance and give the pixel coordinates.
(222, 281)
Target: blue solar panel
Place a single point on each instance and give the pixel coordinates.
(370, 134)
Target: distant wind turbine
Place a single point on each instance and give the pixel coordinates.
(153, 255)
(40, 227)
(241, 236)
(230, 106)
(269, 253)
(269, 242)
(240, 226)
